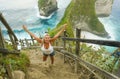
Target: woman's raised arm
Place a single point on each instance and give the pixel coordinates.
(35, 37)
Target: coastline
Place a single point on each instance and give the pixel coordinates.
(88, 35)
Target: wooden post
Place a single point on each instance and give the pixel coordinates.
(76, 65)
(56, 43)
(26, 75)
(7, 26)
(64, 40)
(26, 42)
(77, 48)
(32, 40)
(22, 43)
(12, 40)
(2, 42)
(10, 32)
(9, 71)
(77, 42)
(64, 44)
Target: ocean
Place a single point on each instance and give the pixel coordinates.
(19, 12)
(112, 24)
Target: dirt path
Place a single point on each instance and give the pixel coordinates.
(40, 70)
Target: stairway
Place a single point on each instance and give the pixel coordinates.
(44, 70)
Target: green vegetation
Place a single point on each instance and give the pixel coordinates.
(101, 58)
(9, 46)
(41, 2)
(17, 62)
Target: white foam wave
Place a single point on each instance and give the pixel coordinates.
(108, 26)
(44, 17)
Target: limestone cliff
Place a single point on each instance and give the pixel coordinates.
(47, 7)
(82, 14)
(103, 7)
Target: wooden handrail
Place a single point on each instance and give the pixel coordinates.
(105, 73)
(6, 51)
(100, 42)
(92, 41)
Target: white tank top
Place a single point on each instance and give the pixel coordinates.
(47, 51)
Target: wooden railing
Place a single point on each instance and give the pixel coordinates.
(86, 64)
(3, 50)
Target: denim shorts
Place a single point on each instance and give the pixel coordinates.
(52, 54)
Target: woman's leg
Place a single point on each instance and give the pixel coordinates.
(52, 59)
(45, 57)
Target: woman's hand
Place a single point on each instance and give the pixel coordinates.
(65, 26)
(31, 34)
(25, 28)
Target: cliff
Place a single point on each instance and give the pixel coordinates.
(84, 14)
(103, 7)
(47, 7)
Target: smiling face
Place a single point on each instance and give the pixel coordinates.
(47, 38)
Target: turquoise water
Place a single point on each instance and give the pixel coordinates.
(29, 15)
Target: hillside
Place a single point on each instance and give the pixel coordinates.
(81, 14)
(40, 70)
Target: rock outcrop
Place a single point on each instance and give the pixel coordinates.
(103, 7)
(81, 14)
(47, 7)
(18, 75)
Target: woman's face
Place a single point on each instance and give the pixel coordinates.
(47, 38)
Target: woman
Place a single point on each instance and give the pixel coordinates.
(46, 42)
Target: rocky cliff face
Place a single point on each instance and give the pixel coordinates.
(103, 7)
(81, 14)
(46, 7)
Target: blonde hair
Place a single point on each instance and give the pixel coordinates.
(46, 34)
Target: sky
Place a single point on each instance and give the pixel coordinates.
(17, 4)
